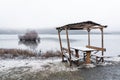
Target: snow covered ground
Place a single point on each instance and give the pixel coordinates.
(14, 69)
(41, 64)
(53, 64)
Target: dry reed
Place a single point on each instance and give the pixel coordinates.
(11, 53)
(51, 53)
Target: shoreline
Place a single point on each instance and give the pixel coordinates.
(48, 67)
(54, 69)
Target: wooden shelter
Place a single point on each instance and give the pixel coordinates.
(88, 26)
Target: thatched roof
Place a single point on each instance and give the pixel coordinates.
(82, 26)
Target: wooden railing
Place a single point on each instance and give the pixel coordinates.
(97, 48)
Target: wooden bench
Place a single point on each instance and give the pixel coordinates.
(73, 58)
(66, 54)
(99, 57)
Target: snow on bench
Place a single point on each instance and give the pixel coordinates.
(73, 58)
(100, 56)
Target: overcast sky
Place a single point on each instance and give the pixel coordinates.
(25, 14)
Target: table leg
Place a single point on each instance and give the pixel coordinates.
(88, 61)
(76, 53)
(84, 56)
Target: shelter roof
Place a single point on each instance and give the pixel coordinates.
(82, 26)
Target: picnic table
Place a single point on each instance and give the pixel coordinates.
(86, 51)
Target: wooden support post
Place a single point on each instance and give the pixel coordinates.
(68, 43)
(88, 36)
(60, 45)
(88, 61)
(102, 43)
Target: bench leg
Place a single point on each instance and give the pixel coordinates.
(99, 59)
(102, 59)
(84, 56)
(70, 62)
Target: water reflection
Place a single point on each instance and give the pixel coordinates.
(32, 45)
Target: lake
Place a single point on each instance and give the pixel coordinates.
(50, 42)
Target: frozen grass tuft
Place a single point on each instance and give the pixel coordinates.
(51, 53)
(19, 53)
(12, 53)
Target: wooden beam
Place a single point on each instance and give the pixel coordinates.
(102, 39)
(102, 42)
(97, 48)
(88, 36)
(68, 44)
(60, 45)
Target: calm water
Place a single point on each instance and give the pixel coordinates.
(50, 42)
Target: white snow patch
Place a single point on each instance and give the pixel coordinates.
(87, 66)
(116, 59)
(35, 64)
(52, 64)
(104, 63)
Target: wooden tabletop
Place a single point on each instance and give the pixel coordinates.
(82, 48)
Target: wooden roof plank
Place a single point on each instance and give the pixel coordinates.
(82, 26)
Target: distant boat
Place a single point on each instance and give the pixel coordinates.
(29, 36)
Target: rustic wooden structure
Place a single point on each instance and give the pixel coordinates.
(29, 36)
(88, 25)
